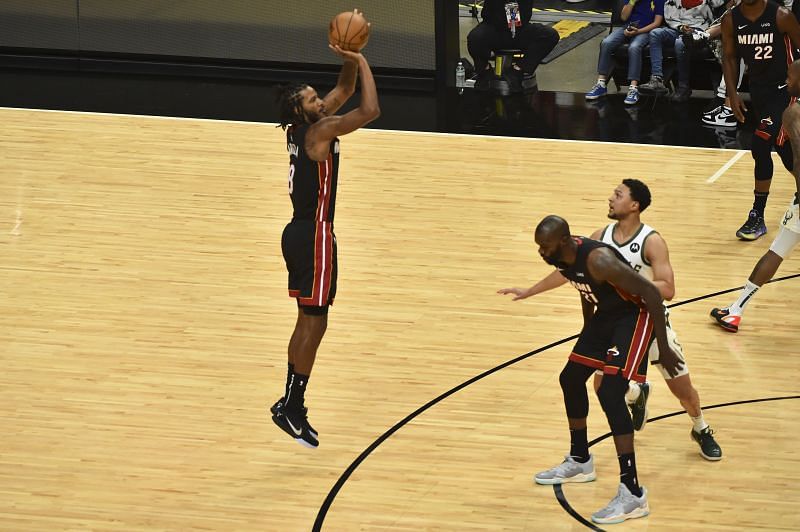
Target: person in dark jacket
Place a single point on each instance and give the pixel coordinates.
(508, 25)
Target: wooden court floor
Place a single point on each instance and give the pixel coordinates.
(144, 323)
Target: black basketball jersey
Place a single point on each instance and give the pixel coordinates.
(765, 50)
(604, 295)
(312, 184)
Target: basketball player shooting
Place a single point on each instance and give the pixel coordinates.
(308, 242)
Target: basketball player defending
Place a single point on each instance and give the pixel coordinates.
(647, 252)
(730, 317)
(622, 309)
(309, 243)
(764, 35)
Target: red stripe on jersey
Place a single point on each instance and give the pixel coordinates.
(787, 42)
(324, 170)
(639, 346)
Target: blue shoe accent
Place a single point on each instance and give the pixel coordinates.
(753, 228)
(633, 96)
(596, 92)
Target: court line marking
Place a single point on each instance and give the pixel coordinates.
(726, 166)
(392, 131)
(562, 498)
(340, 482)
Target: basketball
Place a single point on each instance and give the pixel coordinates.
(349, 31)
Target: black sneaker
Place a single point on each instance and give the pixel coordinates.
(709, 448)
(278, 407)
(682, 94)
(293, 421)
(654, 86)
(639, 407)
(753, 228)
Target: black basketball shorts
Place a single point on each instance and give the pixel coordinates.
(769, 105)
(630, 332)
(309, 249)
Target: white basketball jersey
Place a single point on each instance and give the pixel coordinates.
(633, 248)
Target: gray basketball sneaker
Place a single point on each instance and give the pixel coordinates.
(568, 471)
(624, 506)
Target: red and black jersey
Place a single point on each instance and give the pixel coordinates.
(765, 50)
(312, 184)
(604, 295)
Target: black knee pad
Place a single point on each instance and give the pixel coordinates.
(787, 156)
(573, 383)
(612, 399)
(761, 150)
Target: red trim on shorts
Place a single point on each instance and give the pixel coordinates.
(323, 266)
(787, 43)
(639, 348)
(586, 361)
(294, 293)
(764, 135)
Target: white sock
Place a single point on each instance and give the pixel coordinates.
(699, 423)
(601, 82)
(749, 290)
(633, 392)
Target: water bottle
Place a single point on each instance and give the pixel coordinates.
(461, 75)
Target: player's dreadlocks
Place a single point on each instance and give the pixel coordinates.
(290, 104)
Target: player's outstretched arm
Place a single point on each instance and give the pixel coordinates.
(330, 127)
(345, 85)
(344, 89)
(554, 280)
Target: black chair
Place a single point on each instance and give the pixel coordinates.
(503, 60)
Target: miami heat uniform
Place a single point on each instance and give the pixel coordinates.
(308, 242)
(767, 53)
(633, 252)
(620, 320)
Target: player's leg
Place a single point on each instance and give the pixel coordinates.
(761, 151)
(730, 317)
(632, 335)
(310, 254)
(636, 397)
(769, 110)
(587, 356)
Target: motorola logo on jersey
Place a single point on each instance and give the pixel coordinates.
(766, 121)
(635, 247)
